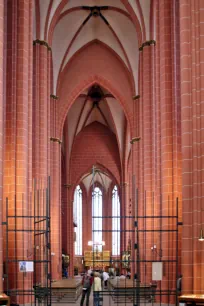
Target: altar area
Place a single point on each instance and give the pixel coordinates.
(97, 259)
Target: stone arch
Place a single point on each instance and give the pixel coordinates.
(90, 81)
(100, 166)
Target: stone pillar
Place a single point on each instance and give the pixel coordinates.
(70, 227)
(167, 127)
(124, 221)
(164, 37)
(134, 183)
(145, 149)
(87, 220)
(107, 222)
(41, 109)
(86, 234)
(192, 114)
(55, 169)
(18, 127)
(41, 131)
(1, 133)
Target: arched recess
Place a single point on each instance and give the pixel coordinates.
(102, 169)
(87, 68)
(102, 149)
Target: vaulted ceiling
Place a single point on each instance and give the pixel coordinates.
(121, 26)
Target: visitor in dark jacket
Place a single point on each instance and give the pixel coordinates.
(87, 282)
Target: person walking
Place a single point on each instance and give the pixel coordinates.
(97, 288)
(105, 279)
(179, 284)
(87, 282)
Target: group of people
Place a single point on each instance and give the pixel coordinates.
(90, 280)
(93, 279)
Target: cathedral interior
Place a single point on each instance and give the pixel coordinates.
(101, 150)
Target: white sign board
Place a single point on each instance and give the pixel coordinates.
(26, 266)
(157, 271)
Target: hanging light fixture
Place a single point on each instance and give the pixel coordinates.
(201, 238)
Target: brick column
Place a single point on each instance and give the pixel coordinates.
(107, 222)
(18, 124)
(86, 235)
(55, 170)
(1, 134)
(135, 180)
(192, 114)
(70, 227)
(166, 132)
(167, 129)
(87, 220)
(124, 221)
(41, 109)
(41, 113)
(145, 131)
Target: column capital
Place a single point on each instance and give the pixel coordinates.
(67, 185)
(136, 97)
(54, 97)
(147, 43)
(54, 139)
(42, 43)
(135, 139)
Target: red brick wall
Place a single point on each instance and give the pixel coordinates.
(94, 145)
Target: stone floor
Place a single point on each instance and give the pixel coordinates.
(108, 301)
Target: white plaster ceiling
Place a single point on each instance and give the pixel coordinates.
(73, 116)
(145, 5)
(126, 33)
(119, 119)
(75, 3)
(44, 5)
(108, 113)
(34, 23)
(96, 29)
(121, 37)
(70, 35)
(99, 177)
(62, 38)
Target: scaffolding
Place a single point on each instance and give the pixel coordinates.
(27, 265)
(152, 257)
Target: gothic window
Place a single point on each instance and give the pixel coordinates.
(115, 222)
(97, 222)
(78, 220)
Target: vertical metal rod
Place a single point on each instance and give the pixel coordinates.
(49, 235)
(46, 245)
(35, 265)
(23, 237)
(160, 225)
(7, 246)
(93, 214)
(177, 245)
(137, 282)
(15, 245)
(145, 239)
(169, 226)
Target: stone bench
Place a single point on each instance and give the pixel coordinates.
(66, 291)
(128, 290)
